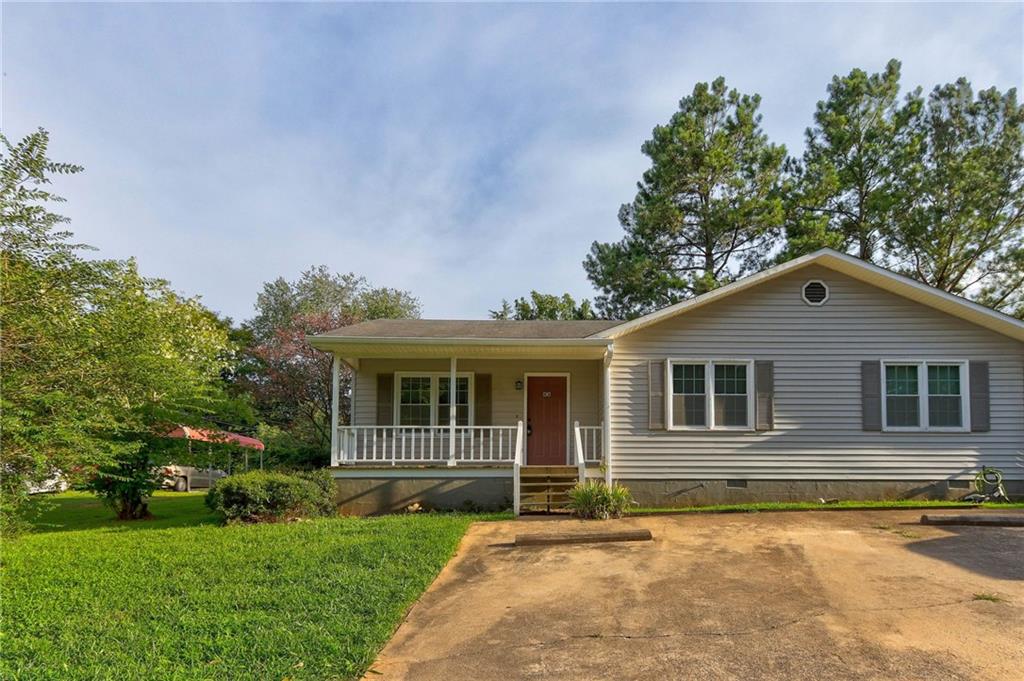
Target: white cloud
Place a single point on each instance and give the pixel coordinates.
(467, 153)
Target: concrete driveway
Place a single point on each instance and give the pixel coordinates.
(818, 595)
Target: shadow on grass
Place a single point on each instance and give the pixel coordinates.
(74, 511)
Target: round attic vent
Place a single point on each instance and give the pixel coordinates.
(815, 292)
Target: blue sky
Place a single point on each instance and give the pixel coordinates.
(467, 153)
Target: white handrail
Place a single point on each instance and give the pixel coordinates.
(517, 463)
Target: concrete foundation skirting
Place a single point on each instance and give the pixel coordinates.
(674, 493)
(376, 491)
(391, 494)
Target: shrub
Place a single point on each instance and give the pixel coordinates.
(594, 499)
(127, 485)
(264, 496)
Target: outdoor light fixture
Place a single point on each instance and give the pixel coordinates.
(519, 385)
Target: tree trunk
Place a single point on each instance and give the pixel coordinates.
(133, 509)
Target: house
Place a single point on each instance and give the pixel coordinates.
(822, 377)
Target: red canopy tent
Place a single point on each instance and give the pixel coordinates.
(220, 437)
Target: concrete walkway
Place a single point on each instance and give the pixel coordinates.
(819, 595)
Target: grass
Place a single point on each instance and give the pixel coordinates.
(85, 596)
(990, 597)
(817, 506)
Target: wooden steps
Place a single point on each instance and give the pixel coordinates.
(545, 489)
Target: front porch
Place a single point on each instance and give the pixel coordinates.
(472, 408)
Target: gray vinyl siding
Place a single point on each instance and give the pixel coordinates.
(506, 401)
(817, 353)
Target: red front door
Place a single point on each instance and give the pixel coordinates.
(546, 420)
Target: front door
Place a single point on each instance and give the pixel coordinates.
(546, 420)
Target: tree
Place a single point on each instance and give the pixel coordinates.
(98, 360)
(289, 381)
(961, 227)
(847, 186)
(544, 306)
(708, 210)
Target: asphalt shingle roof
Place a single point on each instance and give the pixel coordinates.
(468, 328)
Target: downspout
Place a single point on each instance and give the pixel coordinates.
(606, 424)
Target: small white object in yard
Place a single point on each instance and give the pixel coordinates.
(413, 507)
(827, 501)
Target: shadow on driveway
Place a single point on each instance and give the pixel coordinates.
(996, 552)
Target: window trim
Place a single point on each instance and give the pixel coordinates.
(435, 382)
(709, 393)
(923, 396)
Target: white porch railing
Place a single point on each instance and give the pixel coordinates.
(588, 440)
(425, 444)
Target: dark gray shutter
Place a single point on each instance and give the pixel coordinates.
(482, 399)
(979, 391)
(385, 399)
(871, 394)
(764, 390)
(656, 394)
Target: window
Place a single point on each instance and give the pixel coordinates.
(461, 400)
(688, 395)
(731, 394)
(424, 399)
(945, 408)
(925, 395)
(414, 401)
(711, 394)
(902, 403)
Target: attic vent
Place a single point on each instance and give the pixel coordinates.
(815, 292)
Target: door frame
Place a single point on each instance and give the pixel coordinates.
(568, 410)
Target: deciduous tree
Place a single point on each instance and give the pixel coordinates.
(290, 381)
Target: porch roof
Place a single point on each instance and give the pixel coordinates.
(467, 338)
(494, 329)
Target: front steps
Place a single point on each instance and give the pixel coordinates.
(545, 489)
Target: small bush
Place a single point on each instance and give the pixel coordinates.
(263, 496)
(127, 485)
(594, 499)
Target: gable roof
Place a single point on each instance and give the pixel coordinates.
(852, 267)
(468, 329)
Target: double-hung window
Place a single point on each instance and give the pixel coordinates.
(425, 399)
(711, 394)
(920, 395)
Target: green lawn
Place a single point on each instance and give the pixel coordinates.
(181, 597)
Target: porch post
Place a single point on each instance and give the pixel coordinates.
(606, 425)
(335, 382)
(451, 413)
